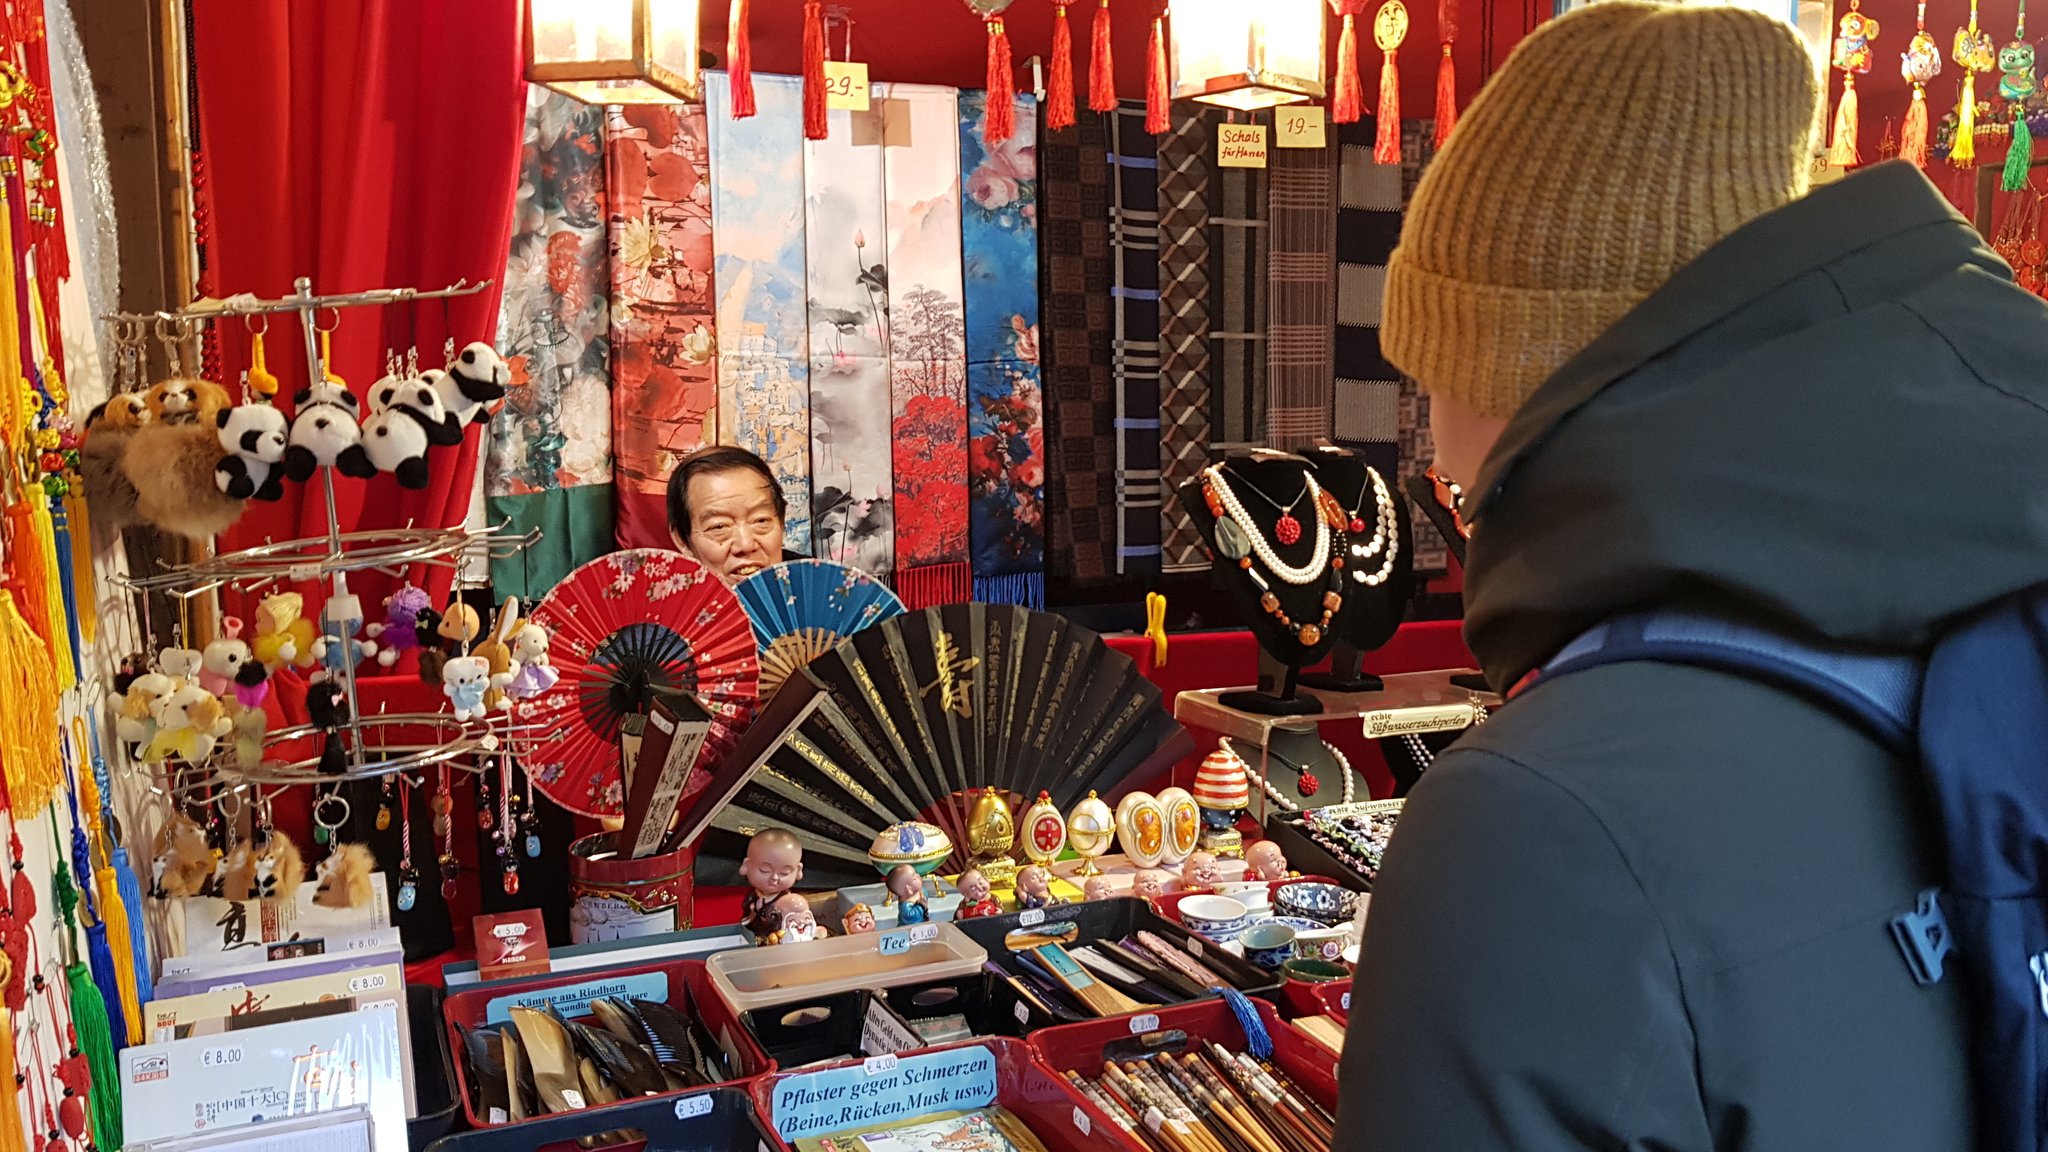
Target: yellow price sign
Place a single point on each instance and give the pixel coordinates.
(1298, 126)
(1241, 145)
(846, 85)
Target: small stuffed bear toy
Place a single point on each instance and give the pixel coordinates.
(325, 433)
(474, 381)
(254, 437)
(327, 708)
(464, 680)
(407, 418)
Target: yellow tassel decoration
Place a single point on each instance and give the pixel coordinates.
(12, 1139)
(59, 639)
(29, 750)
(1963, 153)
(84, 584)
(113, 913)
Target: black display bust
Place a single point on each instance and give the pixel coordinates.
(1376, 590)
(1268, 486)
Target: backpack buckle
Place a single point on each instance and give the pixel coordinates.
(1923, 937)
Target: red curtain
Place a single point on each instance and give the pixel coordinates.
(364, 144)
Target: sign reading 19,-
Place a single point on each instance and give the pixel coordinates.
(1298, 126)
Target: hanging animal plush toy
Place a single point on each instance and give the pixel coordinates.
(327, 709)
(399, 631)
(135, 715)
(344, 877)
(189, 722)
(398, 434)
(183, 864)
(337, 646)
(496, 653)
(108, 428)
(266, 867)
(181, 664)
(464, 680)
(454, 631)
(182, 400)
(254, 438)
(530, 652)
(474, 381)
(171, 468)
(325, 433)
(229, 668)
(283, 634)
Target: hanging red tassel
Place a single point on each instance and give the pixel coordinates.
(1059, 89)
(1157, 119)
(1913, 137)
(739, 61)
(816, 126)
(1347, 104)
(1001, 122)
(1446, 71)
(1101, 71)
(1842, 149)
(1390, 26)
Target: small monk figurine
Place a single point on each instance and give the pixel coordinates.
(907, 887)
(1096, 888)
(797, 923)
(1265, 861)
(1034, 888)
(859, 918)
(975, 900)
(1199, 873)
(1149, 886)
(774, 865)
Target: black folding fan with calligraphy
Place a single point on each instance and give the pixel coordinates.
(923, 711)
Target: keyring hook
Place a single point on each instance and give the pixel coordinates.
(330, 327)
(249, 322)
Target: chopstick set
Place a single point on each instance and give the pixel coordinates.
(1207, 1101)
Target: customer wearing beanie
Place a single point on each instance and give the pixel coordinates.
(1646, 906)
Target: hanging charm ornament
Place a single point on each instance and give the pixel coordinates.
(1853, 57)
(1059, 86)
(2016, 84)
(1920, 63)
(1446, 71)
(1101, 69)
(1974, 53)
(1389, 28)
(1347, 101)
(1000, 121)
(408, 873)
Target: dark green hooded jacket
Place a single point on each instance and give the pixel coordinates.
(1645, 907)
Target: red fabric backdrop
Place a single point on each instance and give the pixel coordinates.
(367, 144)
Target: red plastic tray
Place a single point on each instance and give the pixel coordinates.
(1078, 1047)
(1059, 1116)
(1336, 1000)
(685, 977)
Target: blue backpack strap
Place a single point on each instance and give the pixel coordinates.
(1880, 693)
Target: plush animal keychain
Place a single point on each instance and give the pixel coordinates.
(454, 631)
(135, 707)
(344, 877)
(326, 433)
(337, 647)
(181, 664)
(473, 381)
(183, 400)
(398, 633)
(464, 680)
(410, 420)
(254, 436)
(184, 864)
(108, 429)
(228, 667)
(327, 709)
(496, 653)
(189, 722)
(172, 469)
(283, 634)
(266, 867)
(530, 651)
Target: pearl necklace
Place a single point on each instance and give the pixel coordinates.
(1292, 574)
(1386, 532)
(1343, 769)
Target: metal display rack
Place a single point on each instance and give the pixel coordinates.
(329, 560)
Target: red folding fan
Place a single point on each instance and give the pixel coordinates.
(622, 627)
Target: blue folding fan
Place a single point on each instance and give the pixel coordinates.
(802, 609)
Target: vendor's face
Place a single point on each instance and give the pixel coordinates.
(734, 530)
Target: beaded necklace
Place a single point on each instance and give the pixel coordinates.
(1386, 531)
(1239, 538)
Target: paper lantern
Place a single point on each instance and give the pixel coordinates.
(614, 51)
(1247, 56)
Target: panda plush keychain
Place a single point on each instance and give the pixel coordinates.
(255, 438)
(473, 382)
(326, 431)
(406, 418)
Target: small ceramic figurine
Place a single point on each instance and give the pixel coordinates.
(774, 865)
(1034, 888)
(1199, 874)
(860, 918)
(906, 886)
(796, 923)
(1264, 861)
(1096, 888)
(1150, 886)
(974, 896)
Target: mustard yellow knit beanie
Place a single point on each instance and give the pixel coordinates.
(1616, 144)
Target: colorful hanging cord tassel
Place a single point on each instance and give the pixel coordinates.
(1158, 120)
(1059, 87)
(1920, 63)
(1446, 71)
(1974, 53)
(1389, 28)
(1347, 102)
(111, 901)
(1853, 57)
(739, 60)
(29, 753)
(1101, 66)
(816, 125)
(1001, 121)
(88, 1012)
(2016, 84)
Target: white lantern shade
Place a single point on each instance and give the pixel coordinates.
(614, 51)
(1247, 53)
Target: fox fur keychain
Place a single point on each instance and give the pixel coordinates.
(344, 877)
(183, 864)
(266, 867)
